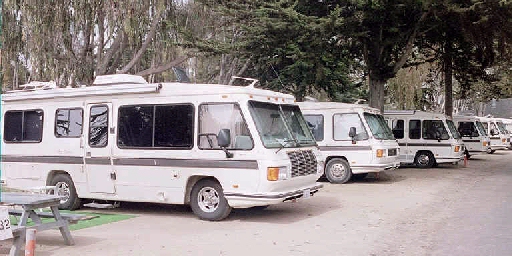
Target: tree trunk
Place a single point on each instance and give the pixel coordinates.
(448, 85)
(376, 93)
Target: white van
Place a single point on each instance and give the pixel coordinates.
(215, 147)
(354, 139)
(500, 139)
(473, 135)
(426, 139)
(507, 123)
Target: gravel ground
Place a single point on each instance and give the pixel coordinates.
(448, 210)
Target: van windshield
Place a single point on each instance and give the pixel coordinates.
(453, 130)
(481, 128)
(281, 125)
(378, 126)
(502, 128)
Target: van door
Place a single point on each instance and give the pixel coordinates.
(98, 148)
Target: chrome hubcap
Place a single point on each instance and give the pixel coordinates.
(62, 190)
(423, 159)
(208, 199)
(337, 170)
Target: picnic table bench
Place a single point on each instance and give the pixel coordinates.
(29, 204)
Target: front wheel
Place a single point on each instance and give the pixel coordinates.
(424, 160)
(208, 202)
(491, 151)
(65, 188)
(338, 171)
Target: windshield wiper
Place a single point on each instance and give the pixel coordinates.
(284, 143)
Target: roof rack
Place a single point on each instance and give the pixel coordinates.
(33, 86)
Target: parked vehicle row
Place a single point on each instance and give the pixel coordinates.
(214, 147)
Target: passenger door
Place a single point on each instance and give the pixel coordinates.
(98, 148)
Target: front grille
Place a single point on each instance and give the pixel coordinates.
(303, 162)
(392, 152)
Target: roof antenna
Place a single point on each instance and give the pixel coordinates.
(278, 78)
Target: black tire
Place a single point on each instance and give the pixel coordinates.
(359, 176)
(214, 208)
(338, 171)
(491, 151)
(65, 187)
(468, 156)
(424, 159)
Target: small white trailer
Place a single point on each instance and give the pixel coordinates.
(354, 138)
(426, 139)
(215, 147)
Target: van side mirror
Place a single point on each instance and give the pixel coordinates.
(352, 132)
(223, 140)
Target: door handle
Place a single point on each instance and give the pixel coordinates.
(88, 153)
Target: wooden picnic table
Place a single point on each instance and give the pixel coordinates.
(30, 203)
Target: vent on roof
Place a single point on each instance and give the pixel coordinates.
(118, 79)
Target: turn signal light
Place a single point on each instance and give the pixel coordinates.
(457, 148)
(272, 173)
(380, 152)
(503, 140)
(484, 143)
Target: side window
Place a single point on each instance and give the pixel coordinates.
(23, 126)
(434, 129)
(467, 129)
(414, 129)
(494, 129)
(486, 127)
(214, 117)
(316, 125)
(342, 124)
(398, 129)
(68, 122)
(156, 126)
(98, 126)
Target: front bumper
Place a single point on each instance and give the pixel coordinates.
(243, 200)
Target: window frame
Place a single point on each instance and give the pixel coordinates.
(360, 119)
(152, 147)
(198, 140)
(55, 123)
(23, 125)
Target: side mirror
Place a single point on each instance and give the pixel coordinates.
(352, 132)
(224, 138)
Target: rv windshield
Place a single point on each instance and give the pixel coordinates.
(502, 128)
(481, 128)
(281, 125)
(453, 130)
(378, 126)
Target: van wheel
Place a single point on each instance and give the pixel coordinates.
(424, 160)
(208, 202)
(338, 171)
(491, 151)
(65, 188)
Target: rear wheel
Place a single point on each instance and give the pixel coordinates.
(424, 159)
(208, 202)
(491, 151)
(65, 188)
(338, 170)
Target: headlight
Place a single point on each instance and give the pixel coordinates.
(320, 167)
(277, 173)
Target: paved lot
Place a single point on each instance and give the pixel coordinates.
(449, 210)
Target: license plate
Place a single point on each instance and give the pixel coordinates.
(306, 193)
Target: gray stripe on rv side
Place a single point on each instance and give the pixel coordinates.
(470, 140)
(424, 145)
(196, 163)
(344, 148)
(44, 159)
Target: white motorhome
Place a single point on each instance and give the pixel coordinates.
(426, 139)
(354, 138)
(215, 147)
(508, 126)
(500, 139)
(473, 134)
